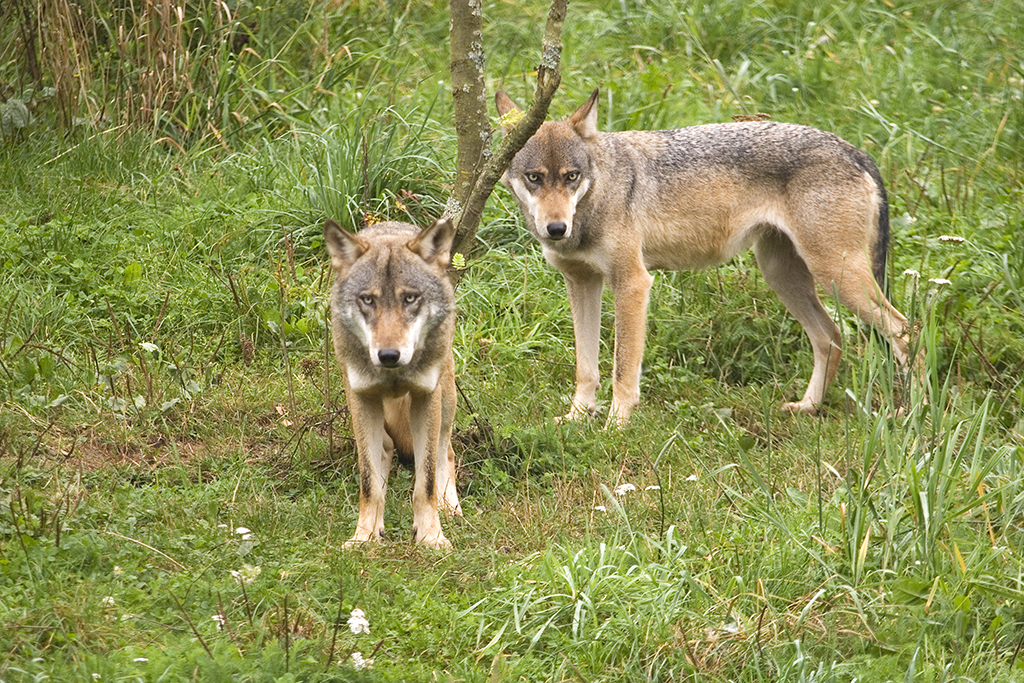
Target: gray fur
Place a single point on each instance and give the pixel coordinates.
(393, 322)
(608, 208)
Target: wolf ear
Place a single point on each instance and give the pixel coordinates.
(584, 119)
(434, 244)
(344, 247)
(508, 111)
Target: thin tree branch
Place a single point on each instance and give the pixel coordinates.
(468, 213)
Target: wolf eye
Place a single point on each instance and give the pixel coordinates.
(533, 177)
(366, 299)
(410, 299)
(572, 176)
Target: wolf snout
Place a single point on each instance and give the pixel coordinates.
(389, 358)
(557, 230)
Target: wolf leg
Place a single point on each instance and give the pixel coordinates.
(374, 463)
(632, 294)
(425, 419)
(859, 292)
(584, 290)
(445, 454)
(788, 276)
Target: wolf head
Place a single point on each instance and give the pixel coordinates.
(553, 170)
(391, 293)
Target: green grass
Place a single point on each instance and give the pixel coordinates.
(163, 373)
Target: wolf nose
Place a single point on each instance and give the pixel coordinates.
(389, 357)
(556, 231)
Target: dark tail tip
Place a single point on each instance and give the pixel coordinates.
(882, 244)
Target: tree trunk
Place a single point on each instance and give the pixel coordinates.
(478, 169)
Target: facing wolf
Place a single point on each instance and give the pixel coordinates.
(393, 322)
(608, 208)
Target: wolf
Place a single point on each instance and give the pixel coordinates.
(393, 323)
(608, 208)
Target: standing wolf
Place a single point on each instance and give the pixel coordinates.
(393, 322)
(610, 207)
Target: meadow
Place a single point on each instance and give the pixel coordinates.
(177, 473)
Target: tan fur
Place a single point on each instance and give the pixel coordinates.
(392, 315)
(608, 208)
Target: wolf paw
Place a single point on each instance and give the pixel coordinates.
(800, 407)
(576, 413)
(361, 536)
(434, 539)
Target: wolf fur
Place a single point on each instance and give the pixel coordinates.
(393, 322)
(608, 208)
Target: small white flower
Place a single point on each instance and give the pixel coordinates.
(247, 574)
(357, 622)
(108, 601)
(601, 508)
(623, 489)
(141, 660)
(731, 627)
(118, 571)
(912, 273)
(95, 677)
(221, 620)
(360, 662)
(244, 533)
(652, 488)
(939, 281)
(692, 477)
(951, 238)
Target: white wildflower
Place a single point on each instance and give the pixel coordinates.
(692, 477)
(141, 660)
(912, 273)
(244, 533)
(951, 238)
(221, 621)
(360, 662)
(247, 574)
(601, 508)
(623, 489)
(731, 627)
(118, 571)
(652, 488)
(95, 677)
(939, 281)
(108, 601)
(357, 622)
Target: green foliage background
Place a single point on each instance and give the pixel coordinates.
(164, 379)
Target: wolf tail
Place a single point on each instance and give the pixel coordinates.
(881, 250)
